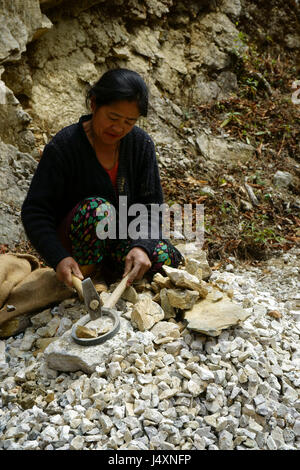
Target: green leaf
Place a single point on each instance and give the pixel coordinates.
(226, 121)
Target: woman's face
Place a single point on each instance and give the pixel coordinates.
(113, 121)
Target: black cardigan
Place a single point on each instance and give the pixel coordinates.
(69, 171)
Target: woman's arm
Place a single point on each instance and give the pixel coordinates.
(40, 210)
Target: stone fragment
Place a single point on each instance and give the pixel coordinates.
(182, 298)
(130, 295)
(49, 434)
(165, 332)
(296, 427)
(86, 425)
(140, 285)
(182, 278)
(166, 305)
(225, 440)
(282, 179)
(106, 423)
(155, 287)
(84, 332)
(271, 443)
(193, 266)
(50, 328)
(153, 415)
(259, 400)
(216, 149)
(193, 252)
(42, 343)
(194, 388)
(157, 298)
(173, 347)
(50, 396)
(162, 281)
(262, 409)
(210, 318)
(114, 369)
(145, 314)
(41, 318)
(65, 325)
(64, 433)
(211, 420)
(3, 363)
(30, 445)
(28, 340)
(77, 443)
(10, 308)
(204, 373)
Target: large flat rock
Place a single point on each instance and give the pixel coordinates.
(214, 313)
(68, 356)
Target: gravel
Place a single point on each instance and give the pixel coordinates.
(239, 390)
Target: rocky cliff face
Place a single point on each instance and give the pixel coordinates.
(52, 50)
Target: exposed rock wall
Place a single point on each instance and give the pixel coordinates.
(173, 46)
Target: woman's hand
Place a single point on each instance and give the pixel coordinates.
(65, 268)
(138, 261)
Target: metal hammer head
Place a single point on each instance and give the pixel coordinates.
(91, 298)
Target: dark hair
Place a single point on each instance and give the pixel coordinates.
(120, 85)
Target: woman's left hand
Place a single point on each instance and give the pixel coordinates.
(137, 261)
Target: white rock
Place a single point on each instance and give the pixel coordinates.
(166, 305)
(28, 340)
(86, 425)
(296, 427)
(259, 399)
(204, 373)
(114, 369)
(65, 324)
(194, 388)
(153, 415)
(271, 443)
(77, 443)
(186, 280)
(64, 433)
(225, 440)
(165, 332)
(182, 298)
(282, 178)
(69, 415)
(30, 445)
(50, 329)
(3, 363)
(106, 423)
(146, 313)
(41, 318)
(49, 434)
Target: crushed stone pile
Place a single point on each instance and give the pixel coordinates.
(165, 385)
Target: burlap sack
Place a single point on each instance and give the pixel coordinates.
(13, 269)
(27, 287)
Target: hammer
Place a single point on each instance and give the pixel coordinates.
(96, 310)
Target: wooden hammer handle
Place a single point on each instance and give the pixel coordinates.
(78, 286)
(116, 294)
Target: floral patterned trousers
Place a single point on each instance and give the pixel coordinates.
(88, 248)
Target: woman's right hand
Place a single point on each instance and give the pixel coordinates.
(65, 268)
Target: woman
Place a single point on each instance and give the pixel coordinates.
(83, 171)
